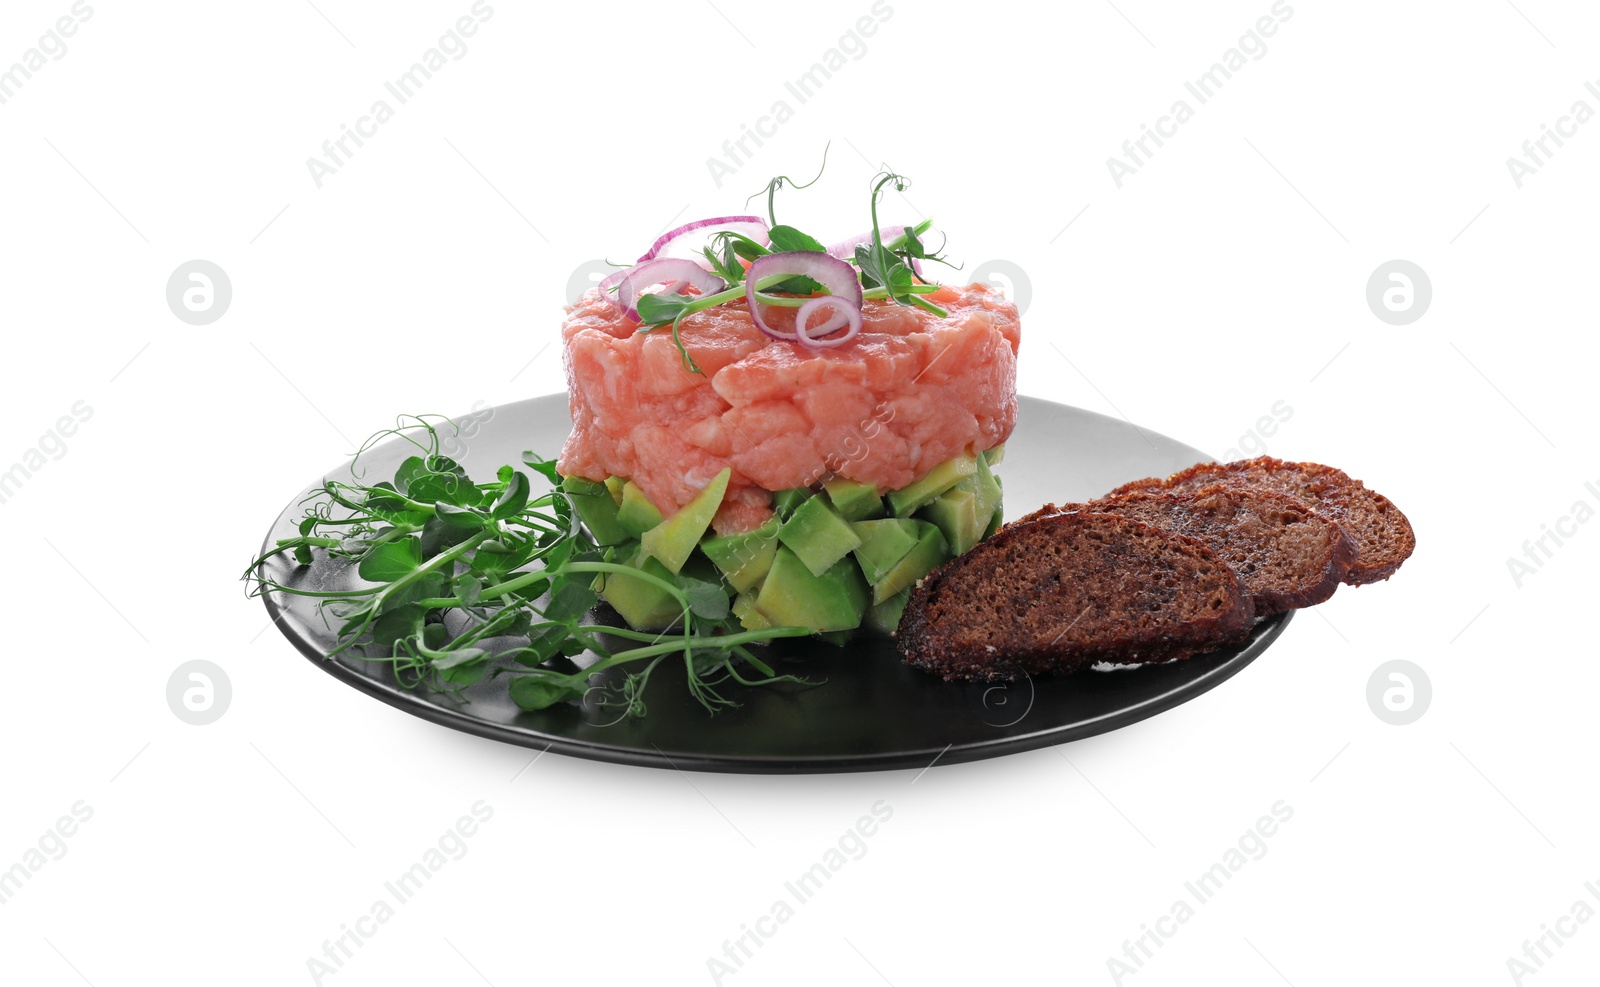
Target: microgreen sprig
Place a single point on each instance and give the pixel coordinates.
(888, 269)
(777, 183)
(895, 269)
(449, 569)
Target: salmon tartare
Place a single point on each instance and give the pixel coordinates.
(909, 392)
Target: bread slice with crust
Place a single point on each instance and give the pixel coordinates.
(1382, 534)
(1067, 591)
(1288, 555)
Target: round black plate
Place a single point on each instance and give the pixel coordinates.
(872, 712)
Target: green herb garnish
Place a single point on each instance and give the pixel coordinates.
(887, 269)
(891, 266)
(440, 550)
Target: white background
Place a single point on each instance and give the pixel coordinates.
(428, 274)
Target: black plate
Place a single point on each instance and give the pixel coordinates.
(873, 712)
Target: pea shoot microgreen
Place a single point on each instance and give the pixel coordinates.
(448, 570)
(888, 269)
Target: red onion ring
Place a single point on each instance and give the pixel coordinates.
(844, 314)
(846, 249)
(612, 279)
(754, 227)
(837, 276)
(680, 271)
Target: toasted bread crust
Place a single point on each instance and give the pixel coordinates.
(1382, 534)
(1069, 590)
(1288, 555)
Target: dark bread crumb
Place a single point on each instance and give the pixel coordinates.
(1068, 591)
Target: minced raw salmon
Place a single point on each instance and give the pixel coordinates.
(909, 392)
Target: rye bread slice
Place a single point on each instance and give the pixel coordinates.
(1288, 555)
(1382, 535)
(1068, 591)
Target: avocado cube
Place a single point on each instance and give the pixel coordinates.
(854, 501)
(784, 502)
(636, 514)
(645, 606)
(958, 515)
(884, 617)
(672, 540)
(744, 558)
(931, 551)
(883, 543)
(596, 509)
(614, 484)
(942, 477)
(999, 519)
(988, 483)
(987, 487)
(995, 455)
(965, 511)
(793, 596)
(994, 523)
(818, 535)
(750, 616)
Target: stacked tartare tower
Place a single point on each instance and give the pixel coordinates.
(815, 484)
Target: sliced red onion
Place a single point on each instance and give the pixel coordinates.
(611, 280)
(846, 249)
(844, 314)
(837, 276)
(753, 227)
(681, 272)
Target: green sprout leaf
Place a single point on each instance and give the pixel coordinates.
(409, 470)
(533, 692)
(571, 599)
(457, 517)
(787, 238)
(391, 561)
(656, 308)
(706, 600)
(514, 499)
(544, 467)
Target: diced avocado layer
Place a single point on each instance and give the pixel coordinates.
(673, 539)
(636, 514)
(792, 596)
(596, 509)
(854, 501)
(745, 558)
(818, 536)
(828, 559)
